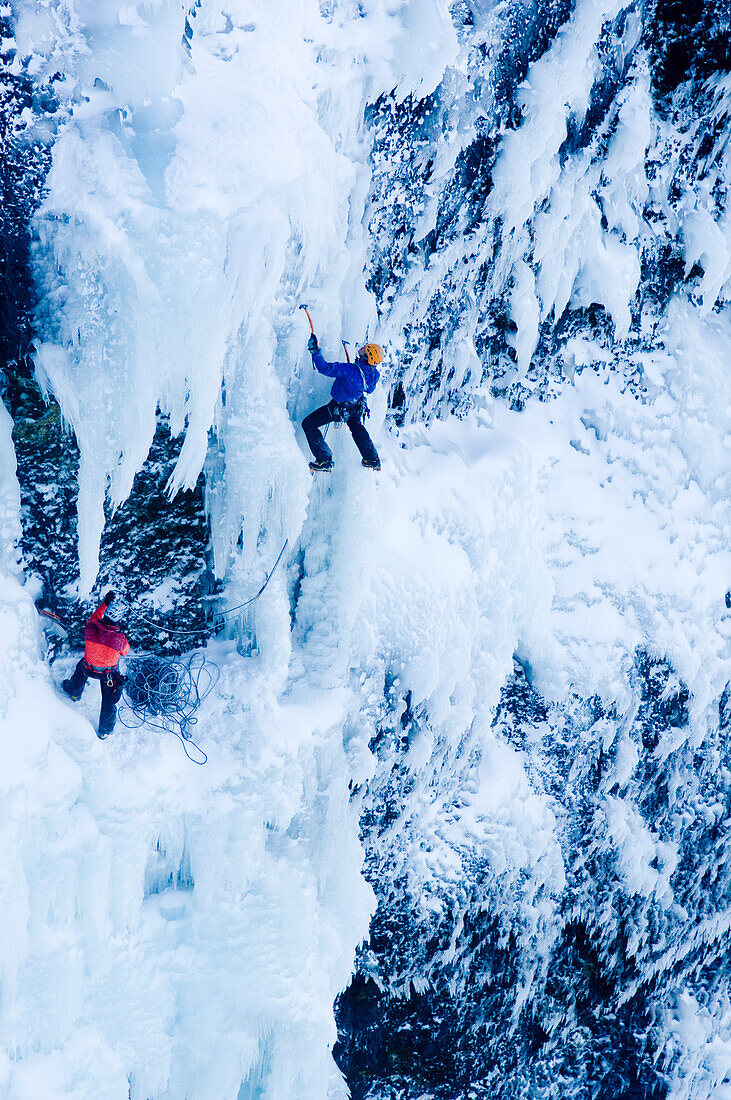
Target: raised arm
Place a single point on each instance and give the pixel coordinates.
(331, 370)
(102, 608)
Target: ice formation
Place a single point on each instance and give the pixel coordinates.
(173, 932)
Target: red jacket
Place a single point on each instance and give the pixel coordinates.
(104, 643)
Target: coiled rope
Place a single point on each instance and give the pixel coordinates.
(165, 693)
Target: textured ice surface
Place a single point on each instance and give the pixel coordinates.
(174, 932)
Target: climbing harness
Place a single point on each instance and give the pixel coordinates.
(343, 410)
(346, 409)
(166, 693)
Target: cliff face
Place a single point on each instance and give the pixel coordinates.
(556, 210)
(568, 178)
(485, 698)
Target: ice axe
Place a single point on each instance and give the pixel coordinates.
(312, 327)
(346, 345)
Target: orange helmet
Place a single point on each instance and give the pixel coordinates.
(371, 353)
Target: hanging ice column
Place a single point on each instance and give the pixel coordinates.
(201, 923)
(177, 932)
(193, 196)
(570, 221)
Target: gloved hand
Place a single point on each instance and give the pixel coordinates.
(312, 344)
(109, 598)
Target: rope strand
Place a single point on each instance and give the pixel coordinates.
(223, 615)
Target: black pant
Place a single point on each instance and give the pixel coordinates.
(111, 683)
(352, 414)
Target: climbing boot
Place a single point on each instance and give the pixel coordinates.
(371, 463)
(321, 467)
(67, 689)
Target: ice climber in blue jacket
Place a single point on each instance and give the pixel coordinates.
(348, 405)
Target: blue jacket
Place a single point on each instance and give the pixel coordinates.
(352, 380)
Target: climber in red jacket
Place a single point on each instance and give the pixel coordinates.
(104, 644)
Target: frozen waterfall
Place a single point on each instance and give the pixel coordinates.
(552, 512)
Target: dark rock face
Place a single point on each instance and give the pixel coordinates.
(435, 1008)
(154, 551)
(688, 38)
(24, 161)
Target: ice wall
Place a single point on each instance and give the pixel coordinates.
(212, 170)
(538, 257)
(168, 931)
(172, 932)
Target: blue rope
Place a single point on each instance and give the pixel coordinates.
(166, 693)
(220, 620)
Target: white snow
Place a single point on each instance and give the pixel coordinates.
(172, 931)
